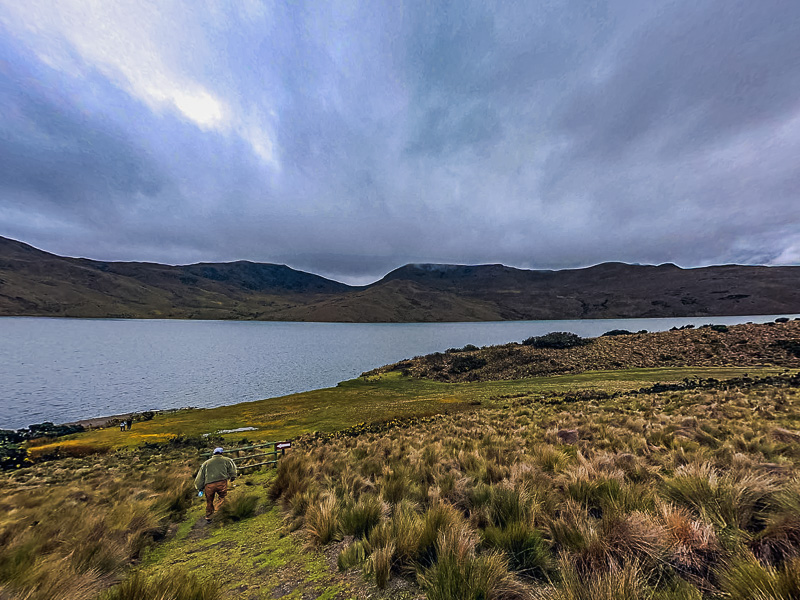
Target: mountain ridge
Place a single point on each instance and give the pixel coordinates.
(37, 283)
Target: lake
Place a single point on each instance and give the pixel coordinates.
(63, 370)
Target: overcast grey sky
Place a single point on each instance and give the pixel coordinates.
(349, 138)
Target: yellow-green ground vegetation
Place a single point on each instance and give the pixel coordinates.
(376, 397)
(580, 484)
(684, 494)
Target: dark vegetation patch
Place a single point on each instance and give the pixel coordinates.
(791, 346)
(556, 339)
(562, 352)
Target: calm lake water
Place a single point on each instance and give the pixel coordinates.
(63, 370)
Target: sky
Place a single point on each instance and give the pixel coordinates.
(350, 138)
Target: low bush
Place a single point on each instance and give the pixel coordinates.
(615, 332)
(556, 339)
(467, 348)
(12, 456)
(791, 346)
(462, 364)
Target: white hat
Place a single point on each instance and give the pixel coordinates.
(218, 451)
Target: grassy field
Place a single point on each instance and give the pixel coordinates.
(374, 398)
(678, 495)
(670, 496)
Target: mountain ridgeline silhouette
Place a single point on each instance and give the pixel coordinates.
(37, 283)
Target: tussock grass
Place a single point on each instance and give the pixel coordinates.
(238, 507)
(322, 520)
(750, 580)
(659, 497)
(77, 523)
(172, 585)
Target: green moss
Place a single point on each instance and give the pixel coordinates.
(249, 556)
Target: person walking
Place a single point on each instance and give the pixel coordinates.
(212, 479)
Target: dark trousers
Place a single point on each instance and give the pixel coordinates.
(215, 488)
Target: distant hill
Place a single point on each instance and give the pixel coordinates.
(37, 283)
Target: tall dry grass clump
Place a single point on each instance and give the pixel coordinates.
(651, 496)
(69, 527)
(175, 584)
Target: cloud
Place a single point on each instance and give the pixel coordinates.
(350, 138)
(148, 48)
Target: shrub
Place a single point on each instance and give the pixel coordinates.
(467, 348)
(12, 456)
(556, 339)
(615, 332)
(791, 346)
(782, 320)
(462, 364)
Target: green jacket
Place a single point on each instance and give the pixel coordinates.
(216, 468)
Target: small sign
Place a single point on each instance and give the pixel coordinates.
(283, 445)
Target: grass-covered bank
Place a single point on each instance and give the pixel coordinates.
(597, 484)
(750, 344)
(73, 527)
(377, 397)
(677, 495)
(69, 528)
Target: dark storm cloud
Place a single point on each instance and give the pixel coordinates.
(56, 154)
(692, 75)
(350, 139)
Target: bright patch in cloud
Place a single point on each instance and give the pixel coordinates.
(143, 47)
(201, 107)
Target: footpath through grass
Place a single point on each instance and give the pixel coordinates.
(250, 557)
(375, 398)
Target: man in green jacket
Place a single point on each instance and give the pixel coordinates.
(212, 479)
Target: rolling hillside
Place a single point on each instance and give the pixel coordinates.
(37, 283)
